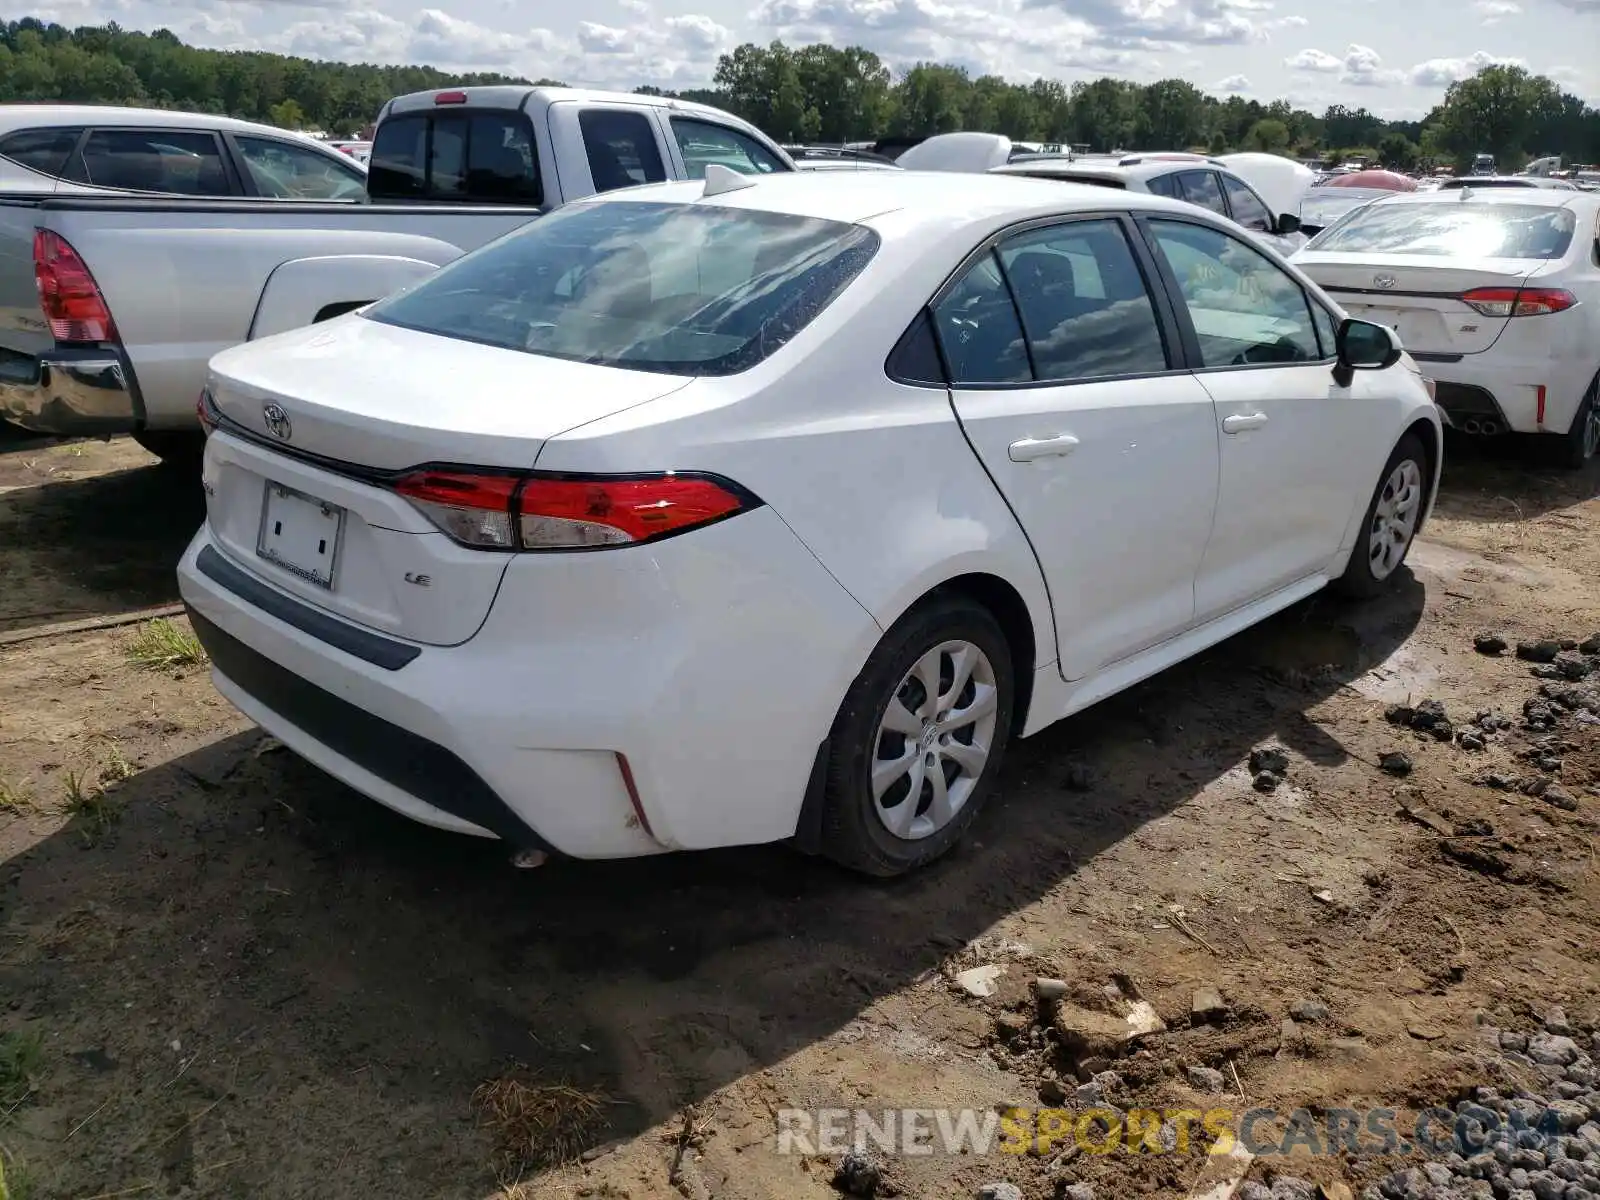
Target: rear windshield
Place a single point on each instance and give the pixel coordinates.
(1456, 228)
(680, 289)
(457, 156)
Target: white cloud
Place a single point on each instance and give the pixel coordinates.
(1361, 66)
(1232, 85)
(1494, 10)
(699, 33)
(1442, 72)
(1314, 60)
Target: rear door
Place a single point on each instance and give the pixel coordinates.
(1068, 384)
(1293, 443)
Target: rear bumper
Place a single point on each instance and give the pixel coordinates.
(69, 394)
(1506, 391)
(669, 698)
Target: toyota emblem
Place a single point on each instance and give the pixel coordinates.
(1383, 281)
(277, 421)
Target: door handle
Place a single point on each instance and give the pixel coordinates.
(1242, 422)
(1028, 449)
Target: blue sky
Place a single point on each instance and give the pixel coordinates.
(1393, 58)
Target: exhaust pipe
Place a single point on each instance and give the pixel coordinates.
(1489, 427)
(1471, 426)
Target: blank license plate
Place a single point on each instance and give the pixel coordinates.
(300, 534)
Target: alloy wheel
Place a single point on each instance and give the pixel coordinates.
(1394, 519)
(934, 740)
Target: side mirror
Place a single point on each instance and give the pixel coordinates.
(1288, 223)
(1364, 346)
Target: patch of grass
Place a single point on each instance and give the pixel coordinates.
(16, 1182)
(116, 767)
(16, 799)
(88, 799)
(19, 1063)
(161, 645)
(538, 1126)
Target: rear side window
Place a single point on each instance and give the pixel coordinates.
(1201, 187)
(173, 161)
(41, 150)
(1165, 185)
(979, 330)
(1247, 207)
(1454, 228)
(703, 143)
(456, 156)
(288, 172)
(674, 288)
(621, 147)
(1085, 308)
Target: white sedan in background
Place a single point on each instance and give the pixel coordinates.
(1495, 291)
(760, 509)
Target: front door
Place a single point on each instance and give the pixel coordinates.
(1292, 439)
(1065, 383)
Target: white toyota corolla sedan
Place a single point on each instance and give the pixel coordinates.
(760, 509)
(1496, 292)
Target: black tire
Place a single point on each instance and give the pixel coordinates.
(1576, 449)
(1359, 581)
(853, 834)
(177, 450)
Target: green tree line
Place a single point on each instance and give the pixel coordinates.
(831, 94)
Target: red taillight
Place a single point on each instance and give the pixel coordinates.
(68, 294)
(1519, 302)
(450, 98)
(206, 409)
(510, 512)
(475, 510)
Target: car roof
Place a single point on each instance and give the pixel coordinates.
(46, 116)
(513, 96)
(938, 197)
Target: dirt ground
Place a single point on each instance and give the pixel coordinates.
(246, 980)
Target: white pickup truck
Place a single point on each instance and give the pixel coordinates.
(111, 305)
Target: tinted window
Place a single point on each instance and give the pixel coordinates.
(1165, 185)
(703, 143)
(1085, 308)
(674, 288)
(1244, 307)
(979, 330)
(621, 147)
(1201, 187)
(1247, 207)
(153, 160)
(458, 156)
(285, 171)
(42, 150)
(1454, 229)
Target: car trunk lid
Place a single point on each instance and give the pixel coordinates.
(318, 426)
(1418, 295)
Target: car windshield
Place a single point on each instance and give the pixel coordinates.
(677, 288)
(1454, 229)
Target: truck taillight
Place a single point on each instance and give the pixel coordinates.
(68, 294)
(495, 511)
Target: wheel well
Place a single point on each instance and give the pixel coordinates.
(1011, 611)
(1428, 434)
